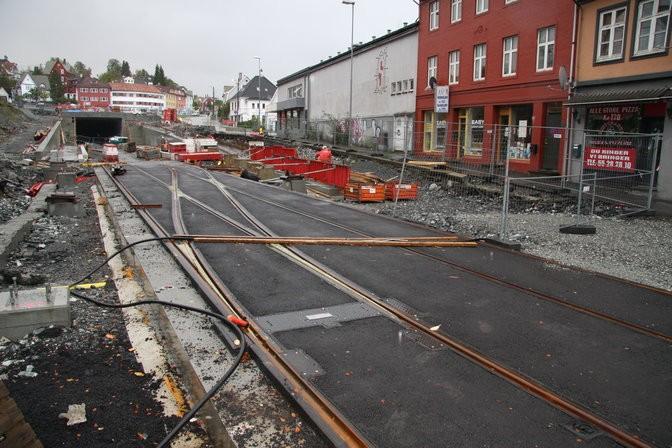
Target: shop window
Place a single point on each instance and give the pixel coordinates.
(470, 131)
(545, 48)
(435, 131)
(514, 133)
(653, 18)
(611, 32)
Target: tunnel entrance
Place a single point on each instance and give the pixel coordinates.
(97, 129)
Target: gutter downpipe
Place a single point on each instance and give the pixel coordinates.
(570, 141)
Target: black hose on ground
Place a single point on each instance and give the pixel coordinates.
(239, 333)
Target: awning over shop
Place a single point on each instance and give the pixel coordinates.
(652, 90)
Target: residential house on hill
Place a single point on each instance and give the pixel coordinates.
(67, 74)
(9, 68)
(30, 82)
(252, 100)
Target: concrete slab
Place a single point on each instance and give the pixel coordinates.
(33, 309)
(12, 232)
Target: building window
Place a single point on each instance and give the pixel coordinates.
(479, 62)
(545, 48)
(405, 86)
(431, 68)
(84, 98)
(454, 67)
(394, 88)
(469, 136)
(295, 92)
(455, 11)
(434, 15)
(611, 31)
(653, 17)
(510, 58)
(411, 85)
(481, 6)
(507, 2)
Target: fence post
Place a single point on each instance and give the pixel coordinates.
(493, 149)
(654, 162)
(592, 205)
(505, 202)
(578, 204)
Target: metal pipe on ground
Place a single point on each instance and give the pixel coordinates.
(310, 241)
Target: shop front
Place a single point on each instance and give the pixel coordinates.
(531, 135)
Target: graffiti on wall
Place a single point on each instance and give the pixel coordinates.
(380, 75)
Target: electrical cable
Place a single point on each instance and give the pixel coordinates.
(236, 329)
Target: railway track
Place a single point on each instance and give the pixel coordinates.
(327, 414)
(527, 291)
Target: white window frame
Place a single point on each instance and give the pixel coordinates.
(510, 56)
(455, 11)
(432, 66)
(611, 27)
(508, 2)
(545, 48)
(480, 61)
(482, 6)
(411, 85)
(434, 15)
(394, 88)
(454, 67)
(404, 85)
(652, 21)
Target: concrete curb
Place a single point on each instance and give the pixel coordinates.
(177, 355)
(13, 232)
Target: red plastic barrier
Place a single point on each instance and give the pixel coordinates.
(267, 152)
(34, 189)
(198, 156)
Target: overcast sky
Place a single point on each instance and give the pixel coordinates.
(200, 43)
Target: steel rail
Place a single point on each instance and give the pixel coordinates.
(330, 421)
(478, 358)
(286, 241)
(528, 291)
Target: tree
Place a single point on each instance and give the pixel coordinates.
(7, 83)
(81, 69)
(125, 69)
(36, 94)
(37, 70)
(56, 88)
(113, 72)
(223, 108)
(142, 76)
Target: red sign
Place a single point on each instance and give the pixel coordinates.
(611, 159)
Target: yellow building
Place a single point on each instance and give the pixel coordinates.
(623, 79)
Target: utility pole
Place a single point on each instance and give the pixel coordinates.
(352, 55)
(214, 116)
(259, 88)
(240, 77)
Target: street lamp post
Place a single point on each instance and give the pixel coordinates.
(352, 53)
(259, 88)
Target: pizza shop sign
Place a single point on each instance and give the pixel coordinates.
(610, 159)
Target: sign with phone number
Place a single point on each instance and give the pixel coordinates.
(611, 159)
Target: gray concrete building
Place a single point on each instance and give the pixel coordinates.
(313, 103)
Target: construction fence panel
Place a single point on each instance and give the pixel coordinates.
(625, 166)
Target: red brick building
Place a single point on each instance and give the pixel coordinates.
(66, 73)
(500, 60)
(91, 93)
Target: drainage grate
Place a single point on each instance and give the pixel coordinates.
(401, 306)
(422, 340)
(583, 430)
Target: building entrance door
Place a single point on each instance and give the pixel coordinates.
(551, 143)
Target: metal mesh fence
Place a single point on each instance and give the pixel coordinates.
(475, 178)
